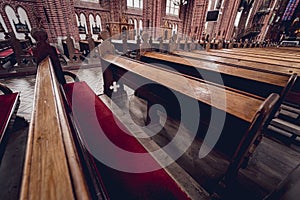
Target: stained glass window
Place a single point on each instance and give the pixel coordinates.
(290, 9)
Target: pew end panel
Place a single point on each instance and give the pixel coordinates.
(70, 52)
(283, 96)
(252, 137)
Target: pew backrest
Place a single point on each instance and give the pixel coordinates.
(252, 109)
(52, 168)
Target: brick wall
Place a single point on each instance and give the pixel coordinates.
(58, 17)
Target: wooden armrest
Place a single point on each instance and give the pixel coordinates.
(5, 89)
(72, 75)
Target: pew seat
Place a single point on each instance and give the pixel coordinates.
(9, 103)
(6, 55)
(102, 123)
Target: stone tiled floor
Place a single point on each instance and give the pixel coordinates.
(25, 85)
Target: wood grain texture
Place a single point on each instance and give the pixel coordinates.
(255, 56)
(251, 63)
(190, 60)
(246, 58)
(238, 104)
(261, 51)
(46, 173)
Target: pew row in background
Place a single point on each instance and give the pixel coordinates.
(16, 56)
(253, 71)
(258, 82)
(288, 121)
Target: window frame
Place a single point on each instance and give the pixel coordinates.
(131, 4)
(171, 8)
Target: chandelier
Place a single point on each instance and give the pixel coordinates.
(179, 2)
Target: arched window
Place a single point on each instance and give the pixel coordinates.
(141, 26)
(135, 3)
(171, 8)
(135, 27)
(4, 27)
(83, 26)
(19, 18)
(23, 16)
(92, 22)
(98, 21)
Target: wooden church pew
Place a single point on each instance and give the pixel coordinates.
(252, 64)
(70, 54)
(58, 138)
(51, 168)
(9, 103)
(22, 51)
(292, 96)
(255, 56)
(267, 51)
(243, 110)
(6, 53)
(259, 60)
(289, 49)
(246, 79)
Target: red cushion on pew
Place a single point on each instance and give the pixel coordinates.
(119, 185)
(30, 52)
(6, 53)
(7, 103)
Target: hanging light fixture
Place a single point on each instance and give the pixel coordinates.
(179, 2)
